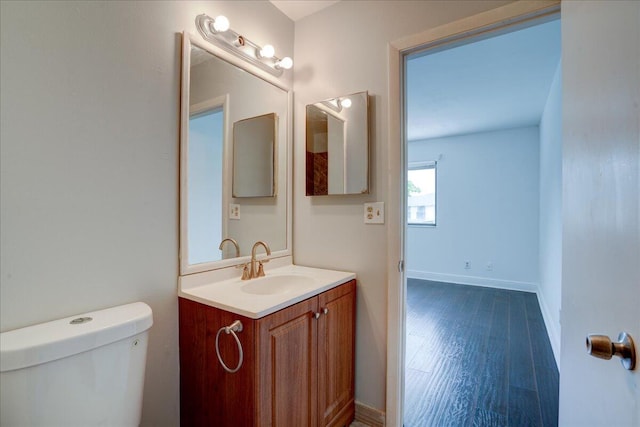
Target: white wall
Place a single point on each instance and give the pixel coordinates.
(335, 155)
(550, 283)
(487, 210)
(89, 101)
(338, 51)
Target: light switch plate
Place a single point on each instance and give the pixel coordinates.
(374, 213)
(234, 211)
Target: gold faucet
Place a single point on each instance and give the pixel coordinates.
(228, 239)
(253, 272)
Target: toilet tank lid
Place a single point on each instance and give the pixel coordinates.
(53, 340)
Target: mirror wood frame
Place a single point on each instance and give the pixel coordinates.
(188, 40)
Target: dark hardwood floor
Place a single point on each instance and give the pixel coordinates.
(477, 357)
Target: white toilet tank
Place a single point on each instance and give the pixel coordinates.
(84, 370)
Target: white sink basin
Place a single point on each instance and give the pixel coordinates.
(255, 298)
(279, 284)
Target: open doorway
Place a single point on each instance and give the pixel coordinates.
(482, 243)
(206, 151)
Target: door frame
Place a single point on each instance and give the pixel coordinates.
(502, 18)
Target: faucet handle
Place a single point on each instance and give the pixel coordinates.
(260, 269)
(246, 275)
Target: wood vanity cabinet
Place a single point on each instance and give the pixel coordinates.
(298, 367)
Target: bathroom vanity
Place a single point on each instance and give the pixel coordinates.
(276, 350)
(298, 361)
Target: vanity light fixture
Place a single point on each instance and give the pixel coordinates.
(220, 24)
(337, 104)
(267, 51)
(332, 104)
(217, 31)
(284, 63)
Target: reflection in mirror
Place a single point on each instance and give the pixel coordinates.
(206, 134)
(220, 94)
(337, 140)
(253, 154)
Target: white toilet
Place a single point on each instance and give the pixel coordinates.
(85, 370)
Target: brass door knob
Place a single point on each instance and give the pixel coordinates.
(602, 347)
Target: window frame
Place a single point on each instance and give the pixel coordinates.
(419, 165)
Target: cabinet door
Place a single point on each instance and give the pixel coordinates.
(336, 355)
(210, 396)
(288, 379)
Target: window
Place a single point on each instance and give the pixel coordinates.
(421, 193)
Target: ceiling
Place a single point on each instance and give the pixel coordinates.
(500, 82)
(298, 9)
(497, 83)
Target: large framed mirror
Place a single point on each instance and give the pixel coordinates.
(223, 98)
(337, 146)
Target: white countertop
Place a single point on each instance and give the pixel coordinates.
(253, 298)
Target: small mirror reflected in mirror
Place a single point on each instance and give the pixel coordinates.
(253, 156)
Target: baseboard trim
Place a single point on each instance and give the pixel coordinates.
(473, 281)
(552, 328)
(369, 416)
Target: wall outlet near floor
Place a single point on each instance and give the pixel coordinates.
(234, 211)
(467, 265)
(374, 213)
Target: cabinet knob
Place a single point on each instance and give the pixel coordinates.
(325, 310)
(316, 315)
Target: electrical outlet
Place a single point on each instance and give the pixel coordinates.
(374, 213)
(467, 265)
(234, 211)
(489, 266)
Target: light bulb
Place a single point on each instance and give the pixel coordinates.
(285, 63)
(345, 103)
(267, 51)
(221, 24)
